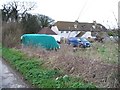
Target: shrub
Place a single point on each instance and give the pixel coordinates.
(11, 33)
(36, 74)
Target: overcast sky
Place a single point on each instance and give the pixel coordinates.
(81, 10)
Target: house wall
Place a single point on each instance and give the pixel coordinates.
(87, 35)
(64, 34)
(67, 34)
(55, 29)
(57, 37)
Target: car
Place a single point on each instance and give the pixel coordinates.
(79, 42)
(73, 41)
(84, 42)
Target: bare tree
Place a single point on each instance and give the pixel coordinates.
(45, 21)
(30, 24)
(12, 11)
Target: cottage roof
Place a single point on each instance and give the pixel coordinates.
(79, 26)
(46, 30)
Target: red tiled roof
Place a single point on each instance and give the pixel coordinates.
(47, 30)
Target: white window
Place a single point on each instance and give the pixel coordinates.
(101, 27)
(75, 26)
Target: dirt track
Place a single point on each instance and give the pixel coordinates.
(9, 78)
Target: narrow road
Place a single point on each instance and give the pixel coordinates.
(9, 78)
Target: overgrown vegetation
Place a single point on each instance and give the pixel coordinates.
(51, 69)
(97, 64)
(11, 33)
(113, 32)
(17, 21)
(33, 71)
(0, 50)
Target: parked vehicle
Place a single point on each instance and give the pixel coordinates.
(40, 40)
(84, 42)
(75, 42)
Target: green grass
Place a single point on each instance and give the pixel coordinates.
(106, 52)
(0, 49)
(109, 52)
(37, 75)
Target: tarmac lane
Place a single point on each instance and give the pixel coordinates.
(9, 78)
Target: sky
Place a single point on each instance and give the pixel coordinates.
(101, 11)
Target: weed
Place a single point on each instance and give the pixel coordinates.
(33, 71)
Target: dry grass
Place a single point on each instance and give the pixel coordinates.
(11, 33)
(92, 64)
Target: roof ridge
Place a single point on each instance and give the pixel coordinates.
(74, 22)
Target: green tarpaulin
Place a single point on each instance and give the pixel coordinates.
(40, 40)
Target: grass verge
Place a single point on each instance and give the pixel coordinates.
(33, 71)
